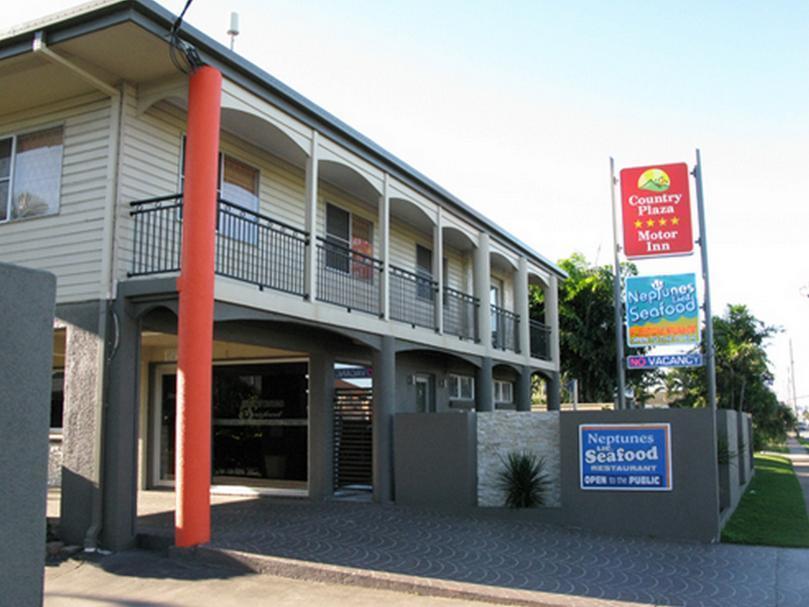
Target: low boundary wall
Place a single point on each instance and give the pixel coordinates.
(450, 460)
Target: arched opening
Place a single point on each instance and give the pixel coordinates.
(263, 134)
(459, 301)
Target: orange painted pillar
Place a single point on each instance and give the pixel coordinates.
(192, 525)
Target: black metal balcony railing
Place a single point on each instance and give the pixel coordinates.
(256, 249)
(540, 340)
(412, 298)
(505, 329)
(249, 246)
(157, 235)
(347, 278)
(460, 314)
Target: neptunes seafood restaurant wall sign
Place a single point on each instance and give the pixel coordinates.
(656, 209)
(625, 457)
(662, 310)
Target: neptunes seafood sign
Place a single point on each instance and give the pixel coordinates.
(625, 457)
(662, 310)
(656, 210)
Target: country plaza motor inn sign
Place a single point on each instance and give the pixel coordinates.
(656, 210)
(625, 457)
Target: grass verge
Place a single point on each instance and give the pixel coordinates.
(772, 511)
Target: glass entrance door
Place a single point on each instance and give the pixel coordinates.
(259, 425)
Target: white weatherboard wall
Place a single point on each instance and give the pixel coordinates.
(503, 432)
(69, 243)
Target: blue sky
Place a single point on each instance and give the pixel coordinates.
(517, 106)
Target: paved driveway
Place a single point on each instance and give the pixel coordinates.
(506, 554)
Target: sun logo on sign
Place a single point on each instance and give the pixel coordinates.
(654, 180)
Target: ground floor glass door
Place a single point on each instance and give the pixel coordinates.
(259, 425)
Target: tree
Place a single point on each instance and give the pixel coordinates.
(743, 376)
(587, 330)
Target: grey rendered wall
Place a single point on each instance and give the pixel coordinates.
(727, 425)
(26, 354)
(82, 402)
(438, 366)
(689, 511)
(435, 462)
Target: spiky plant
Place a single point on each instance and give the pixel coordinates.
(523, 480)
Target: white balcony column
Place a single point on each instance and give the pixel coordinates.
(310, 269)
(438, 270)
(552, 318)
(522, 307)
(384, 248)
(483, 283)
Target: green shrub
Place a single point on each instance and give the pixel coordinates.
(724, 454)
(523, 480)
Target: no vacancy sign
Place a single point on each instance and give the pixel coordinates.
(656, 210)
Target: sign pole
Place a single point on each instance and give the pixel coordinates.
(619, 320)
(710, 353)
(703, 246)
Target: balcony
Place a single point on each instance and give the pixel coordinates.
(412, 298)
(258, 250)
(540, 340)
(461, 314)
(348, 278)
(505, 329)
(249, 246)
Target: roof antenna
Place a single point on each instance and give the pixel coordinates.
(234, 28)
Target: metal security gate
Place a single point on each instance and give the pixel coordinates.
(353, 438)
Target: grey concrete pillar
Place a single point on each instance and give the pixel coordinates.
(484, 391)
(384, 407)
(26, 355)
(321, 425)
(524, 389)
(120, 462)
(81, 420)
(554, 391)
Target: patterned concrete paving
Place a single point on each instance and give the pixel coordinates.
(508, 553)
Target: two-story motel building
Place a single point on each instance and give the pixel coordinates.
(334, 261)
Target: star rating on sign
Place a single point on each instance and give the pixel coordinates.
(662, 222)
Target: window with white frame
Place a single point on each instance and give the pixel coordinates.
(503, 391)
(461, 387)
(30, 174)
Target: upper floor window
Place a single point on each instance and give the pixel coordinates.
(30, 174)
(237, 184)
(347, 234)
(424, 270)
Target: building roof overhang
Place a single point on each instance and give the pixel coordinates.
(63, 28)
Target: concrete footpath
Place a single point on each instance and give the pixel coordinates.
(800, 462)
(145, 579)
